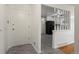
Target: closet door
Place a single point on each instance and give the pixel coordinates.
(21, 25)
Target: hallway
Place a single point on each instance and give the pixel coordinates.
(47, 45)
(28, 49)
(21, 28)
(46, 48)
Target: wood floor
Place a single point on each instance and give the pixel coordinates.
(69, 49)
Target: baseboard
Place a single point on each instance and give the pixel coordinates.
(2, 51)
(8, 47)
(36, 49)
(57, 46)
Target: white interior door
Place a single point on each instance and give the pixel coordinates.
(22, 24)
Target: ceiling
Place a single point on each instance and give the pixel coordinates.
(46, 11)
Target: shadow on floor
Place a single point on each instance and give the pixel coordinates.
(22, 49)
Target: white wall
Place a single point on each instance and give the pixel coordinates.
(27, 23)
(61, 37)
(77, 27)
(19, 15)
(25, 32)
(43, 26)
(2, 38)
(36, 27)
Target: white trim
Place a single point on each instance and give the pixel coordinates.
(38, 51)
(55, 47)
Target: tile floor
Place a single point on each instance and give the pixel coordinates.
(28, 49)
(22, 49)
(47, 45)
